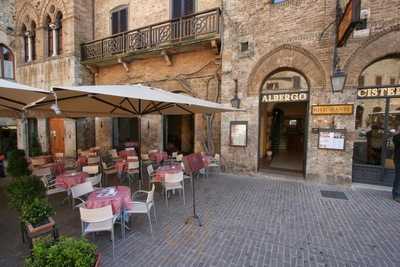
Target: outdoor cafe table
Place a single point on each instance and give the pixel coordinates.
(158, 156)
(68, 180)
(57, 167)
(126, 153)
(122, 166)
(163, 170)
(118, 201)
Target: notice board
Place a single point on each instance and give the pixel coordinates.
(332, 139)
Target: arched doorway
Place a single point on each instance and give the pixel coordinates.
(283, 121)
(379, 97)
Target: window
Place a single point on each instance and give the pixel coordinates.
(277, 1)
(6, 63)
(181, 8)
(378, 80)
(25, 35)
(119, 20)
(296, 82)
(33, 40)
(59, 33)
(49, 37)
(361, 81)
(392, 81)
(244, 46)
(359, 116)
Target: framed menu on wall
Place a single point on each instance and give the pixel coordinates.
(332, 139)
(238, 133)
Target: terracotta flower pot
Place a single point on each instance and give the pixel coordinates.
(44, 228)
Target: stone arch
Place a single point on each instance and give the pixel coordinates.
(25, 15)
(287, 57)
(375, 48)
(59, 6)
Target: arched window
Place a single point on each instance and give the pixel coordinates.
(6, 63)
(33, 39)
(25, 43)
(59, 33)
(49, 37)
(359, 116)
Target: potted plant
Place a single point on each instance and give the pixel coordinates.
(17, 164)
(24, 190)
(37, 217)
(66, 251)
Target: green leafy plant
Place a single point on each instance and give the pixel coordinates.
(24, 190)
(36, 212)
(17, 164)
(36, 149)
(65, 252)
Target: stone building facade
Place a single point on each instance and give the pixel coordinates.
(299, 36)
(252, 46)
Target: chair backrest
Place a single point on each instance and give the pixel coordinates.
(38, 161)
(94, 169)
(217, 157)
(179, 157)
(93, 160)
(82, 189)
(132, 158)
(133, 165)
(173, 177)
(150, 195)
(150, 169)
(96, 215)
(40, 172)
(113, 153)
(95, 180)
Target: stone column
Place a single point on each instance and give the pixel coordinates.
(22, 134)
(29, 35)
(53, 27)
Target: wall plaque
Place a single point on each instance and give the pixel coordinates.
(238, 133)
(332, 109)
(284, 97)
(379, 92)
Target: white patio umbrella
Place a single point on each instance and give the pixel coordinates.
(15, 98)
(126, 101)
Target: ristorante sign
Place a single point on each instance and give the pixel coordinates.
(284, 97)
(379, 92)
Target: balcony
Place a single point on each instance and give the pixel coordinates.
(187, 33)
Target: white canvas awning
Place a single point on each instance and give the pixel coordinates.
(125, 100)
(15, 97)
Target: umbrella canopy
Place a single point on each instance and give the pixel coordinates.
(15, 97)
(124, 100)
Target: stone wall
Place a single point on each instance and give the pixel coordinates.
(195, 73)
(7, 22)
(296, 35)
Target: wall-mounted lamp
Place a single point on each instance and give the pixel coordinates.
(338, 80)
(235, 101)
(55, 106)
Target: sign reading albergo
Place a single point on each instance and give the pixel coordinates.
(284, 97)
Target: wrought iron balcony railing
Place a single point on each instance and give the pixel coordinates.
(172, 32)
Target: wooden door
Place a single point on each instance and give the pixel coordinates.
(56, 128)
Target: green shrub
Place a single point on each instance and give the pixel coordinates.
(36, 212)
(36, 149)
(17, 164)
(24, 190)
(66, 252)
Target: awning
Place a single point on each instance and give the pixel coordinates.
(15, 97)
(124, 100)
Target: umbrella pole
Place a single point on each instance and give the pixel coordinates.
(195, 216)
(140, 149)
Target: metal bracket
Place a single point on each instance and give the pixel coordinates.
(167, 58)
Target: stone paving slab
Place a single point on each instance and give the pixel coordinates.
(247, 221)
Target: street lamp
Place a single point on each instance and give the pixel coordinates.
(235, 101)
(338, 80)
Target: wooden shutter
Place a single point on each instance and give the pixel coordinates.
(123, 20)
(176, 9)
(188, 7)
(114, 22)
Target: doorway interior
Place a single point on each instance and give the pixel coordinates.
(282, 133)
(179, 133)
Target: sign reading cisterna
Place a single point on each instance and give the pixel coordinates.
(379, 92)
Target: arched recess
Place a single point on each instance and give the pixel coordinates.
(287, 57)
(375, 48)
(52, 8)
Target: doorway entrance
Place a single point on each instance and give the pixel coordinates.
(179, 133)
(125, 132)
(283, 123)
(56, 128)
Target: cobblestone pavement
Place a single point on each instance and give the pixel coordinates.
(251, 221)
